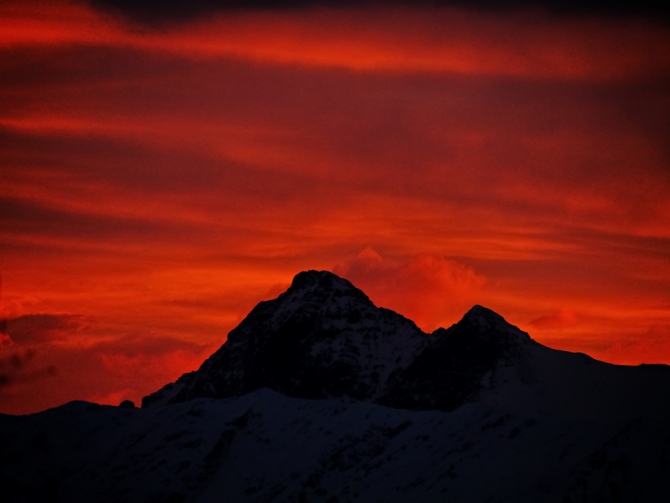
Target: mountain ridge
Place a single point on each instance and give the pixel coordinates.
(324, 338)
(474, 412)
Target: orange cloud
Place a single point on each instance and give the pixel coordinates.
(162, 182)
(35, 377)
(430, 290)
(564, 317)
(652, 346)
(395, 39)
(43, 328)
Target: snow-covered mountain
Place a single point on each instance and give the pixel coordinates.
(486, 360)
(323, 338)
(264, 447)
(320, 396)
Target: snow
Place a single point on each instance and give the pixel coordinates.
(519, 422)
(546, 381)
(264, 446)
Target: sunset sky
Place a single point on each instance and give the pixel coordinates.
(164, 170)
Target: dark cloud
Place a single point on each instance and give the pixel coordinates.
(45, 375)
(134, 346)
(560, 319)
(77, 225)
(42, 328)
(18, 368)
(170, 11)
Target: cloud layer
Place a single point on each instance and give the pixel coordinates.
(160, 180)
(48, 359)
(153, 11)
(428, 289)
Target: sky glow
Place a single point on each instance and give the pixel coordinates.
(156, 182)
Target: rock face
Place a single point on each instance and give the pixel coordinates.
(453, 363)
(323, 338)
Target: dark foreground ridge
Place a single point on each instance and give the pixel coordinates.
(324, 338)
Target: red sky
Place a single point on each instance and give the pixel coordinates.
(156, 182)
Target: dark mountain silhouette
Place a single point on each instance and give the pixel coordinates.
(321, 396)
(323, 338)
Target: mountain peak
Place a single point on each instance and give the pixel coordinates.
(479, 310)
(320, 287)
(321, 338)
(450, 369)
(482, 320)
(313, 279)
(483, 317)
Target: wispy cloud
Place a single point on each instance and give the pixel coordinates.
(160, 179)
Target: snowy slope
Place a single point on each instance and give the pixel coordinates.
(268, 447)
(547, 381)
